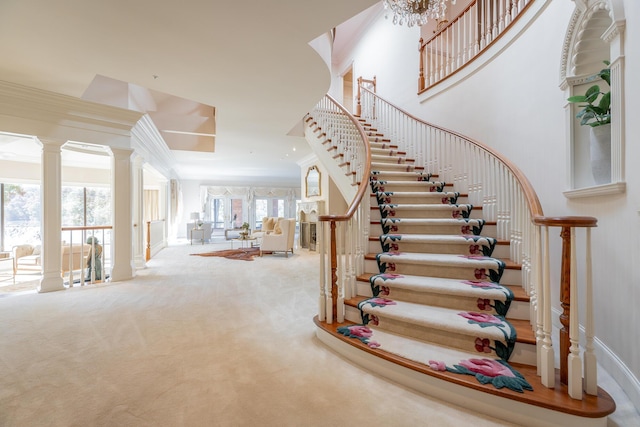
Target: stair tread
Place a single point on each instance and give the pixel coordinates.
(553, 398)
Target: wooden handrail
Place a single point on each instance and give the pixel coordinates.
(532, 198)
(364, 184)
(89, 227)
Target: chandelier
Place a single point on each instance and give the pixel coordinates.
(414, 12)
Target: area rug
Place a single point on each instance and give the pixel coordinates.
(245, 254)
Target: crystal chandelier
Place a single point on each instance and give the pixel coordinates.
(418, 12)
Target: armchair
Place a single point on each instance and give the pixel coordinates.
(281, 239)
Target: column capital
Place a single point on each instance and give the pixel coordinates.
(51, 144)
(121, 152)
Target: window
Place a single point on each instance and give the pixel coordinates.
(20, 214)
(217, 213)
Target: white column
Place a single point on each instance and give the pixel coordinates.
(139, 226)
(122, 256)
(51, 217)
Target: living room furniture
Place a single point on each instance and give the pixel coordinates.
(281, 239)
(206, 227)
(248, 242)
(198, 234)
(28, 257)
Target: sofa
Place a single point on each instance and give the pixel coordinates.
(28, 257)
(281, 238)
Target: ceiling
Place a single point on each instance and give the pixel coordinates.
(240, 70)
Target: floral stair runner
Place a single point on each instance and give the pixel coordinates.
(437, 298)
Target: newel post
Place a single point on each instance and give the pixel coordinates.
(571, 365)
(421, 82)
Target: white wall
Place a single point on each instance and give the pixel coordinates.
(514, 104)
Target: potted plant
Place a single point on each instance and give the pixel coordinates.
(245, 230)
(596, 113)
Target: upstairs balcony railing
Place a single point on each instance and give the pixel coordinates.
(86, 254)
(465, 38)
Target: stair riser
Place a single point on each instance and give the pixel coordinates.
(449, 338)
(403, 186)
(431, 198)
(450, 272)
(436, 248)
(389, 176)
(522, 352)
(421, 229)
(500, 251)
(390, 159)
(416, 214)
(407, 167)
(457, 302)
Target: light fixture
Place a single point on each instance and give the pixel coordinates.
(418, 12)
(195, 216)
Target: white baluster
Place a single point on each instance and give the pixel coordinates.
(590, 362)
(574, 363)
(548, 375)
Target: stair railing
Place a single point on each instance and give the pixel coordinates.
(508, 199)
(330, 128)
(465, 38)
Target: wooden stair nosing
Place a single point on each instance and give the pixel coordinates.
(556, 399)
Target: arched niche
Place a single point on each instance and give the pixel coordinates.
(595, 34)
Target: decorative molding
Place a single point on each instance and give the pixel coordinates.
(50, 107)
(615, 30)
(597, 191)
(147, 140)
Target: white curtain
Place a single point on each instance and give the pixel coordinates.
(151, 205)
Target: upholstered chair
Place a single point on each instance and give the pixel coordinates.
(281, 238)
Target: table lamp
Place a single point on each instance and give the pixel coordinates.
(195, 216)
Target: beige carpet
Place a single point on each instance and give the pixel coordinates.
(194, 341)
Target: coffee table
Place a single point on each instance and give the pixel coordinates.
(244, 243)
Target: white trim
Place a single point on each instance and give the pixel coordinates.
(599, 190)
(509, 410)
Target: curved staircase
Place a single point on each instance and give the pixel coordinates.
(440, 306)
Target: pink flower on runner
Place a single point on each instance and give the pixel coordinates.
(489, 285)
(483, 345)
(373, 344)
(484, 304)
(391, 266)
(384, 290)
(488, 367)
(480, 273)
(455, 214)
(474, 249)
(382, 301)
(394, 228)
(394, 247)
(465, 230)
(445, 201)
(391, 276)
(437, 365)
(360, 331)
(433, 189)
(374, 320)
(480, 317)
